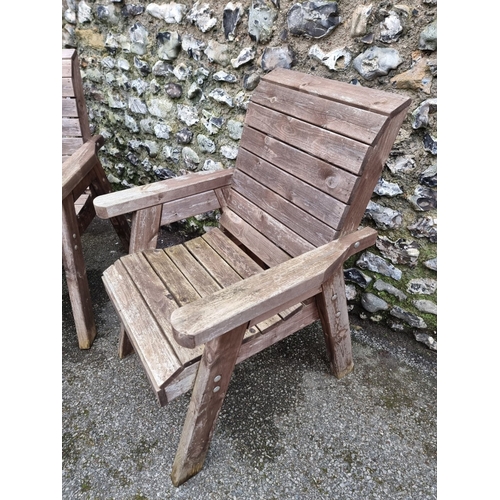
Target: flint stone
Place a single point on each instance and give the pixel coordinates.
(383, 286)
(423, 286)
(430, 144)
(235, 129)
(222, 76)
(424, 227)
(356, 276)
(378, 265)
(277, 57)
(206, 144)
(182, 72)
(411, 319)
(191, 159)
(384, 217)
(429, 176)
(142, 66)
(231, 16)
(261, 19)
(160, 107)
(161, 68)
(372, 303)
(173, 90)
(401, 165)
(431, 264)
(139, 38)
(84, 12)
(217, 52)
(376, 61)
(330, 59)
(193, 47)
(400, 251)
(421, 114)
(229, 152)
(212, 166)
(246, 55)
(212, 123)
(418, 77)
(391, 28)
(384, 188)
(107, 13)
(250, 81)
(172, 153)
(171, 13)
(222, 96)
(194, 90)
(169, 45)
(359, 20)
(130, 124)
(368, 39)
(429, 341)
(132, 10)
(424, 199)
(115, 102)
(137, 106)
(428, 37)
(187, 114)
(140, 86)
(147, 126)
(70, 16)
(184, 136)
(314, 19)
(163, 173)
(201, 16)
(350, 292)
(108, 62)
(425, 306)
(162, 130)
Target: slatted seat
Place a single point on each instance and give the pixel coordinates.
(83, 178)
(310, 155)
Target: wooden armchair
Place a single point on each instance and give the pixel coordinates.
(83, 178)
(311, 153)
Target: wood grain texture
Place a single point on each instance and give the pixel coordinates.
(339, 117)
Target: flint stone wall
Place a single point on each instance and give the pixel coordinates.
(167, 85)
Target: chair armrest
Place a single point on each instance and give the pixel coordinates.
(158, 193)
(207, 318)
(79, 164)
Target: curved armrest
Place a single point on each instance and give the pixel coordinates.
(157, 193)
(207, 318)
(80, 163)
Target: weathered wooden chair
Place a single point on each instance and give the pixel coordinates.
(83, 178)
(310, 156)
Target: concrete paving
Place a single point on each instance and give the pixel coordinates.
(287, 430)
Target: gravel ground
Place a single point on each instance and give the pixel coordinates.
(287, 430)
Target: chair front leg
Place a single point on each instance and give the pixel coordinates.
(212, 381)
(332, 307)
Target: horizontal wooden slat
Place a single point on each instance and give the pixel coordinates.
(69, 108)
(370, 99)
(271, 228)
(70, 145)
(208, 318)
(146, 336)
(71, 127)
(328, 178)
(264, 249)
(67, 88)
(356, 123)
(160, 192)
(315, 202)
(301, 222)
(339, 150)
(187, 207)
(67, 68)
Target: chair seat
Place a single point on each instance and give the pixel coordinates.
(146, 287)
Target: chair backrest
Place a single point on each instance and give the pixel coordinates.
(75, 122)
(311, 153)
